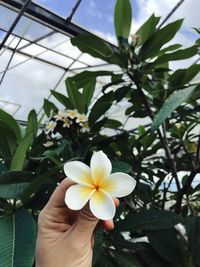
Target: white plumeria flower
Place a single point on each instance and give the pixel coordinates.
(85, 127)
(66, 123)
(72, 113)
(50, 126)
(81, 118)
(96, 185)
(60, 115)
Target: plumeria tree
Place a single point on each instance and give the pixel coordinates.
(158, 224)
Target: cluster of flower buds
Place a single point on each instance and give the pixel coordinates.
(67, 119)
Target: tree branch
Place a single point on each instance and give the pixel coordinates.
(163, 140)
(185, 188)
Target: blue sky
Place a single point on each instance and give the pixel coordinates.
(97, 15)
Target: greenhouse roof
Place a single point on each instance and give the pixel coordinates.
(37, 54)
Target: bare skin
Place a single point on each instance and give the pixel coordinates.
(65, 237)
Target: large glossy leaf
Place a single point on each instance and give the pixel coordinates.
(35, 184)
(83, 78)
(100, 107)
(148, 220)
(13, 184)
(74, 95)
(169, 246)
(193, 233)
(158, 39)
(19, 157)
(88, 91)
(97, 245)
(148, 28)
(62, 99)
(122, 259)
(17, 240)
(168, 48)
(177, 55)
(92, 45)
(48, 106)
(8, 141)
(171, 103)
(11, 122)
(183, 76)
(123, 18)
(32, 124)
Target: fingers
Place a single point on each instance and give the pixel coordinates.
(57, 199)
(85, 224)
(109, 225)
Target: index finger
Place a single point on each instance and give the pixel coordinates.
(57, 200)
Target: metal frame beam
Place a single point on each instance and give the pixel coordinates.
(48, 18)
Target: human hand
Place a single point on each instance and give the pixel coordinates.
(65, 237)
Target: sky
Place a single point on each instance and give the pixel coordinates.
(97, 15)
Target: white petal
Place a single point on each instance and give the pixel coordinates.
(118, 184)
(78, 172)
(77, 196)
(102, 205)
(100, 167)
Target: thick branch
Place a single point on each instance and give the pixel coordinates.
(162, 139)
(186, 188)
(198, 150)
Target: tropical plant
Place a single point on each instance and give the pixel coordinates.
(159, 224)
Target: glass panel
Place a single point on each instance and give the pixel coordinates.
(68, 49)
(28, 84)
(2, 35)
(57, 59)
(54, 40)
(6, 17)
(97, 16)
(91, 61)
(33, 50)
(62, 9)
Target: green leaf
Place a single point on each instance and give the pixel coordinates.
(177, 55)
(121, 166)
(113, 124)
(148, 220)
(48, 106)
(32, 124)
(167, 244)
(11, 122)
(13, 184)
(147, 29)
(88, 91)
(74, 95)
(171, 103)
(193, 233)
(8, 141)
(98, 110)
(2, 167)
(121, 92)
(19, 157)
(83, 78)
(62, 99)
(126, 260)
(100, 107)
(17, 240)
(97, 245)
(168, 48)
(35, 184)
(92, 45)
(183, 76)
(158, 39)
(123, 18)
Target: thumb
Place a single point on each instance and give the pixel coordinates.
(85, 224)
